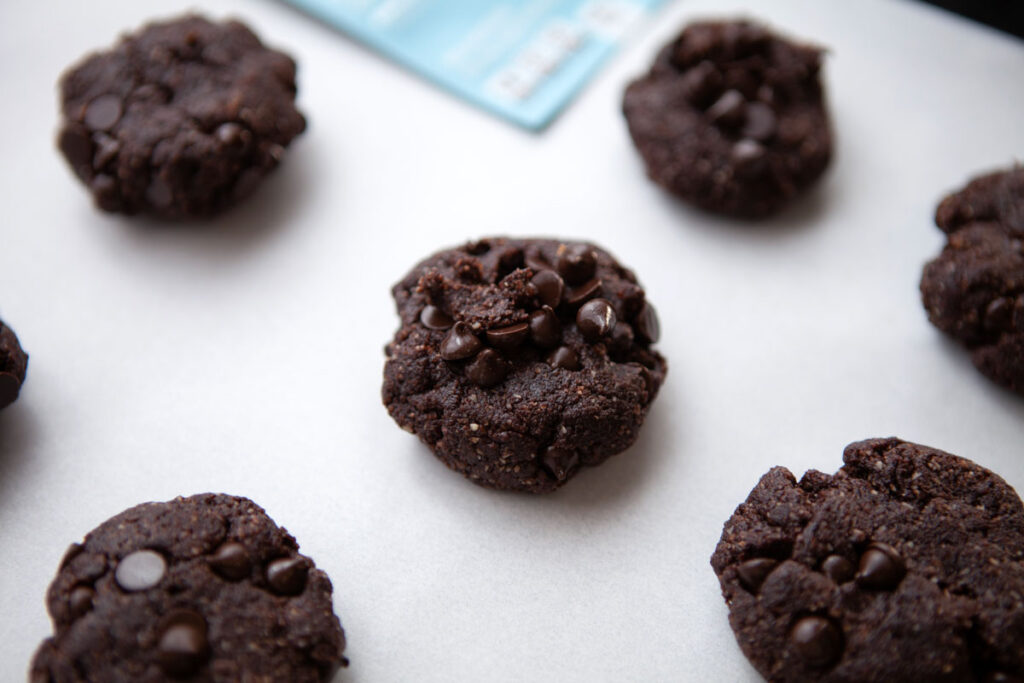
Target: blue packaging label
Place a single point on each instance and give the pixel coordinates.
(522, 59)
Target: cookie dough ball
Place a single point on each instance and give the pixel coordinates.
(519, 361)
(180, 120)
(974, 290)
(13, 365)
(732, 118)
(205, 588)
(905, 565)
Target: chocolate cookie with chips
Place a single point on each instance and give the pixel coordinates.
(205, 588)
(519, 361)
(181, 119)
(13, 366)
(732, 118)
(974, 290)
(905, 565)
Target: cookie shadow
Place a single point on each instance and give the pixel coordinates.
(17, 433)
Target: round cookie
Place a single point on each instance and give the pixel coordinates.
(205, 588)
(732, 118)
(13, 365)
(180, 120)
(518, 361)
(974, 290)
(905, 565)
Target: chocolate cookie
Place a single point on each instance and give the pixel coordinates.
(521, 360)
(974, 290)
(205, 588)
(180, 119)
(732, 118)
(905, 565)
(13, 364)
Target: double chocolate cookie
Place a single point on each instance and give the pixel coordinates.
(519, 361)
(13, 364)
(205, 588)
(974, 290)
(905, 565)
(732, 118)
(180, 119)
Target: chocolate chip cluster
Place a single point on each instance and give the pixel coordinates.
(568, 292)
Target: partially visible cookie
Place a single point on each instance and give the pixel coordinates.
(519, 361)
(732, 118)
(905, 565)
(974, 290)
(180, 119)
(13, 364)
(205, 588)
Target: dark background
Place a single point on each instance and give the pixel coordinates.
(1007, 15)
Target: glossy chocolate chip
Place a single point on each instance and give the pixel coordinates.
(487, 369)
(761, 123)
(588, 290)
(647, 324)
(549, 286)
(183, 648)
(999, 315)
(434, 318)
(565, 358)
(752, 573)
(729, 110)
(750, 157)
(559, 462)
(106, 150)
(545, 330)
(287, 575)
(231, 134)
(1002, 677)
(103, 112)
(460, 343)
(701, 83)
(80, 600)
(508, 337)
(881, 568)
(140, 570)
(231, 561)
(817, 640)
(596, 319)
(576, 263)
(838, 568)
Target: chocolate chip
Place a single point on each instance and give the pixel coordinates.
(287, 575)
(77, 148)
(761, 123)
(106, 150)
(647, 324)
(622, 337)
(838, 568)
(73, 551)
(231, 134)
(750, 157)
(487, 369)
(104, 191)
(508, 337)
(183, 648)
(576, 263)
(159, 193)
(545, 330)
(565, 358)
(881, 568)
(559, 462)
(103, 112)
(752, 573)
(595, 319)
(817, 640)
(701, 83)
(478, 248)
(588, 290)
(140, 570)
(434, 318)
(460, 343)
(80, 600)
(1002, 677)
(549, 287)
(729, 110)
(231, 561)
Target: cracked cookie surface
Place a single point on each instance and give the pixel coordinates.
(518, 361)
(905, 565)
(181, 119)
(205, 588)
(13, 366)
(974, 290)
(732, 118)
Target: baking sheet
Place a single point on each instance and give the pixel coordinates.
(245, 355)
